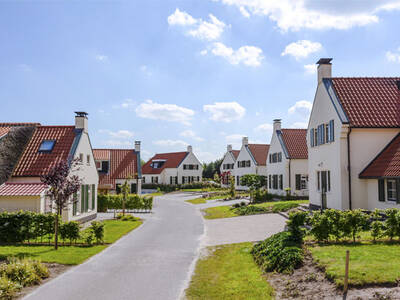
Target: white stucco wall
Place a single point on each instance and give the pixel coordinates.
(228, 159)
(277, 168)
(298, 166)
(253, 169)
(373, 196)
(16, 203)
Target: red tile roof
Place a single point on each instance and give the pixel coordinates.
(235, 153)
(296, 143)
(386, 163)
(22, 189)
(6, 127)
(123, 164)
(259, 152)
(35, 163)
(173, 160)
(369, 102)
(102, 154)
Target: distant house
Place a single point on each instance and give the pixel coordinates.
(228, 165)
(252, 159)
(287, 166)
(45, 147)
(353, 142)
(173, 168)
(115, 166)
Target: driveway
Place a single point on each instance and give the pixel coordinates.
(152, 262)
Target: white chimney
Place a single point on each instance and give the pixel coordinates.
(277, 125)
(229, 148)
(324, 69)
(245, 141)
(137, 146)
(189, 148)
(81, 121)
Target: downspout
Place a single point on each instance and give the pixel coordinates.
(349, 165)
(290, 181)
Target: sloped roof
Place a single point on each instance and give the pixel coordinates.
(35, 163)
(123, 164)
(259, 152)
(102, 154)
(386, 163)
(22, 189)
(6, 127)
(369, 101)
(172, 160)
(295, 141)
(235, 153)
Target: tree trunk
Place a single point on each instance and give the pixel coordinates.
(56, 232)
(123, 205)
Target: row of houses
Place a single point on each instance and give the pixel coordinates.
(348, 157)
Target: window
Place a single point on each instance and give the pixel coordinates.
(281, 182)
(381, 189)
(269, 181)
(237, 180)
(81, 157)
(275, 182)
(247, 163)
(104, 166)
(298, 182)
(93, 196)
(324, 181)
(318, 181)
(304, 182)
(144, 179)
(47, 145)
(391, 190)
(157, 164)
(154, 179)
(88, 159)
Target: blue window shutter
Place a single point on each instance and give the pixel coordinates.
(312, 137)
(323, 134)
(332, 130)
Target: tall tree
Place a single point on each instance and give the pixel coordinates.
(62, 187)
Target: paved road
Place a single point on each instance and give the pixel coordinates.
(152, 262)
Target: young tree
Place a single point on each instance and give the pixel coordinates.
(125, 192)
(253, 182)
(232, 190)
(62, 186)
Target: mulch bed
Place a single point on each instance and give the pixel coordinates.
(309, 282)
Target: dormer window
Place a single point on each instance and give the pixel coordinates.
(47, 145)
(157, 164)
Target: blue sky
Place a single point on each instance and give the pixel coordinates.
(172, 73)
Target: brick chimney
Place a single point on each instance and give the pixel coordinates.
(324, 69)
(81, 121)
(277, 125)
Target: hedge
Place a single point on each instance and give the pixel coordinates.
(175, 187)
(134, 202)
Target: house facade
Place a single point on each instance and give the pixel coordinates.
(228, 165)
(46, 146)
(173, 168)
(251, 159)
(116, 166)
(287, 161)
(352, 142)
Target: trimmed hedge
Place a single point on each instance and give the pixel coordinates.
(134, 202)
(175, 187)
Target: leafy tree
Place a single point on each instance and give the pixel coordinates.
(217, 179)
(62, 186)
(124, 194)
(209, 169)
(253, 182)
(232, 190)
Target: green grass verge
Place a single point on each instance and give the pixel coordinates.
(370, 264)
(153, 194)
(70, 255)
(197, 201)
(229, 272)
(226, 211)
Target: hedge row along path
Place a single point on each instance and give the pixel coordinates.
(152, 262)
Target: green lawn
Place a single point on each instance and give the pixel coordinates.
(197, 201)
(71, 255)
(226, 211)
(369, 263)
(153, 194)
(229, 272)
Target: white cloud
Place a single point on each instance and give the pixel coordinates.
(315, 14)
(126, 103)
(264, 127)
(181, 18)
(225, 111)
(302, 108)
(235, 139)
(205, 156)
(191, 134)
(393, 56)
(310, 69)
(300, 125)
(247, 55)
(301, 49)
(171, 143)
(118, 143)
(166, 112)
(203, 52)
(101, 57)
(120, 134)
(244, 12)
(198, 28)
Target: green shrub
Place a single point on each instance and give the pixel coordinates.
(40, 269)
(392, 223)
(8, 288)
(354, 221)
(320, 226)
(23, 271)
(278, 207)
(88, 237)
(133, 202)
(296, 224)
(98, 231)
(250, 210)
(335, 222)
(278, 253)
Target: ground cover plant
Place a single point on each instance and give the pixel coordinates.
(240, 210)
(228, 272)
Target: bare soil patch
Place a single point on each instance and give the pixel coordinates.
(54, 269)
(309, 282)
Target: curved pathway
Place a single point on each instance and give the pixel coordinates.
(152, 262)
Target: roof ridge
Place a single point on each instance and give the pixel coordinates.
(365, 77)
(56, 126)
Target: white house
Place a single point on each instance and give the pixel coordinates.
(173, 168)
(252, 159)
(116, 166)
(228, 165)
(46, 146)
(287, 166)
(353, 142)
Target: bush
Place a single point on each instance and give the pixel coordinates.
(23, 271)
(250, 210)
(98, 231)
(69, 230)
(88, 237)
(260, 196)
(354, 221)
(296, 224)
(392, 223)
(133, 202)
(278, 253)
(320, 226)
(283, 207)
(8, 288)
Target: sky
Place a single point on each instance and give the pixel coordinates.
(191, 72)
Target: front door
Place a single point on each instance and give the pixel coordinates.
(324, 188)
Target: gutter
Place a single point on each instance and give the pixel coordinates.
(290, 181)
(349, 166)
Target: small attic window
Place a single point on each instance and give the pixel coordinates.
(47, 146)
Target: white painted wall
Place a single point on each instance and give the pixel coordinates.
(278, 168)
(16, 203)
(373, 196)
(228, 159)
(253, 169)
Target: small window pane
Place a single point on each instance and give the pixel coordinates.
(47, 145)
(391, 190)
